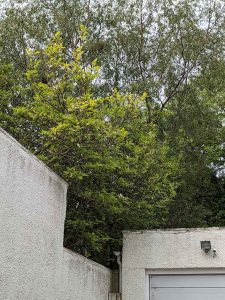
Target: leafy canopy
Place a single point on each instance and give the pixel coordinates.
(120, 176)
(173, 51)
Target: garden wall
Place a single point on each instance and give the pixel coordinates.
(34, 264)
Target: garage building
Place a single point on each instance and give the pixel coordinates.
(187, 264)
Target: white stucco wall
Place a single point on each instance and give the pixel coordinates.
(33, 263)
(90, 280)
(168, 250)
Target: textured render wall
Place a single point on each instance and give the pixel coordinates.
(90, 280)
(167, 250)
(33, 263)
(32, 212)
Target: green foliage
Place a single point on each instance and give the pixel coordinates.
(172, 52)
(5, 95)
(120, 176)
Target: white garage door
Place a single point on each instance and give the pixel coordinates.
(187, 287)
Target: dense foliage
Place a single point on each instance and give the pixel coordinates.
(130, 114)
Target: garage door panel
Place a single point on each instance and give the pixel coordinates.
(188, 281)
(187, 287)
(188, 294)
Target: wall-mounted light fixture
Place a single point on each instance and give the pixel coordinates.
(206, 246)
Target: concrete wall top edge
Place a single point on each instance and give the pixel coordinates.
(171, 230)
(42, 164)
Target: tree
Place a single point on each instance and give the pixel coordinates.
(120, 176)
(171, 50)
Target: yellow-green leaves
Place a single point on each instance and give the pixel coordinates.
(120, 175)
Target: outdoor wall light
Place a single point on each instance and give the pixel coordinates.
(206, 246)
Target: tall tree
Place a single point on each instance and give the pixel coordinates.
(120, 176)
(171, 50)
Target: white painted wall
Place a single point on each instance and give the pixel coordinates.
(165, 251)
(90, 280)
(33, 263)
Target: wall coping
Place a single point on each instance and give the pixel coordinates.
(172, 230)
